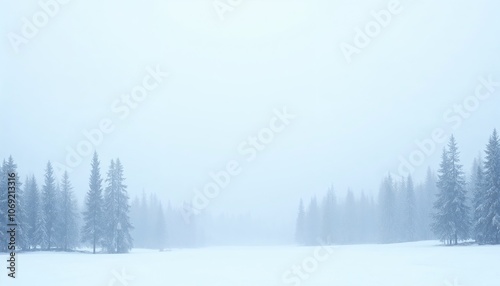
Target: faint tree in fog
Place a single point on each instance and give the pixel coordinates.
(328, 208)
(410, 204)
(300, 225)
(313, 223)
(387, 209)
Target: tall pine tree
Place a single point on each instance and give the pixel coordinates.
(479, 205)
(69, 215)
(410, 201)
(49, 212)
(451, 220)
(488, 208)
(300, 225)
(328, 221)
(388, 209)
(116, 200)
(92, 231)
(161, 229)
(313, 223)
(32, 203)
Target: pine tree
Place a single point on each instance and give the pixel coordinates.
(451, 220)
(92, 231)
(350, 220)
(430, 193)
(328, 219)
(313, 223)
(489, 203)
(300, 225)
(68, 215)
(387, 204)
(118, 226)
(32, 203)
(110, 207)
(58, 223)
(410, 210)
(161, 228)
(479, 205)
(49, 212)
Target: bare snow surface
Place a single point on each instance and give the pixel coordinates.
(409, 264)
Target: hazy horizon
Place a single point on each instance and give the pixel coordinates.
(353, 120)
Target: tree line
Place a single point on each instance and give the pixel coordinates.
(48, 217)
(447, 206)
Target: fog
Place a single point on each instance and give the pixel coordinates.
(275, 68)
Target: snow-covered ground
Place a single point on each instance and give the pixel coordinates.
(410, 264)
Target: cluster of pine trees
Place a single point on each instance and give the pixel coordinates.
(456, 218)
(47, 216)
(447, 207)
(401, 213)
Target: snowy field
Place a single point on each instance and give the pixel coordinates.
(409, 264)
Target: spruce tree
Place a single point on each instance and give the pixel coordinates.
(451, 220)
(68, 215)
(410, 210)
(479, 205)
(32, 203)
(300, 225)
(110, 207)
(388, 209)
(328, 217)
(430, 193)
(92, 231)
(118, 226)
(313, 223)
(161, 229)
(489, 203)
(350, 220)
(49, 212)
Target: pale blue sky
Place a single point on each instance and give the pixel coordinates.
(353, 120)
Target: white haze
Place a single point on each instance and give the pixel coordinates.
(353, 120)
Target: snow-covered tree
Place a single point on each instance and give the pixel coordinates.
(313, 223)
(451, 220)
(328, 218)
(479, 204)
(350, 219)
(427, 199)
(488, 197)
(116, 201)
(410, 203)
(68, 227)
(92, 231)
(49, 212)
(32, 204)
(387, 209)
(300, 224)
(161, 229)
